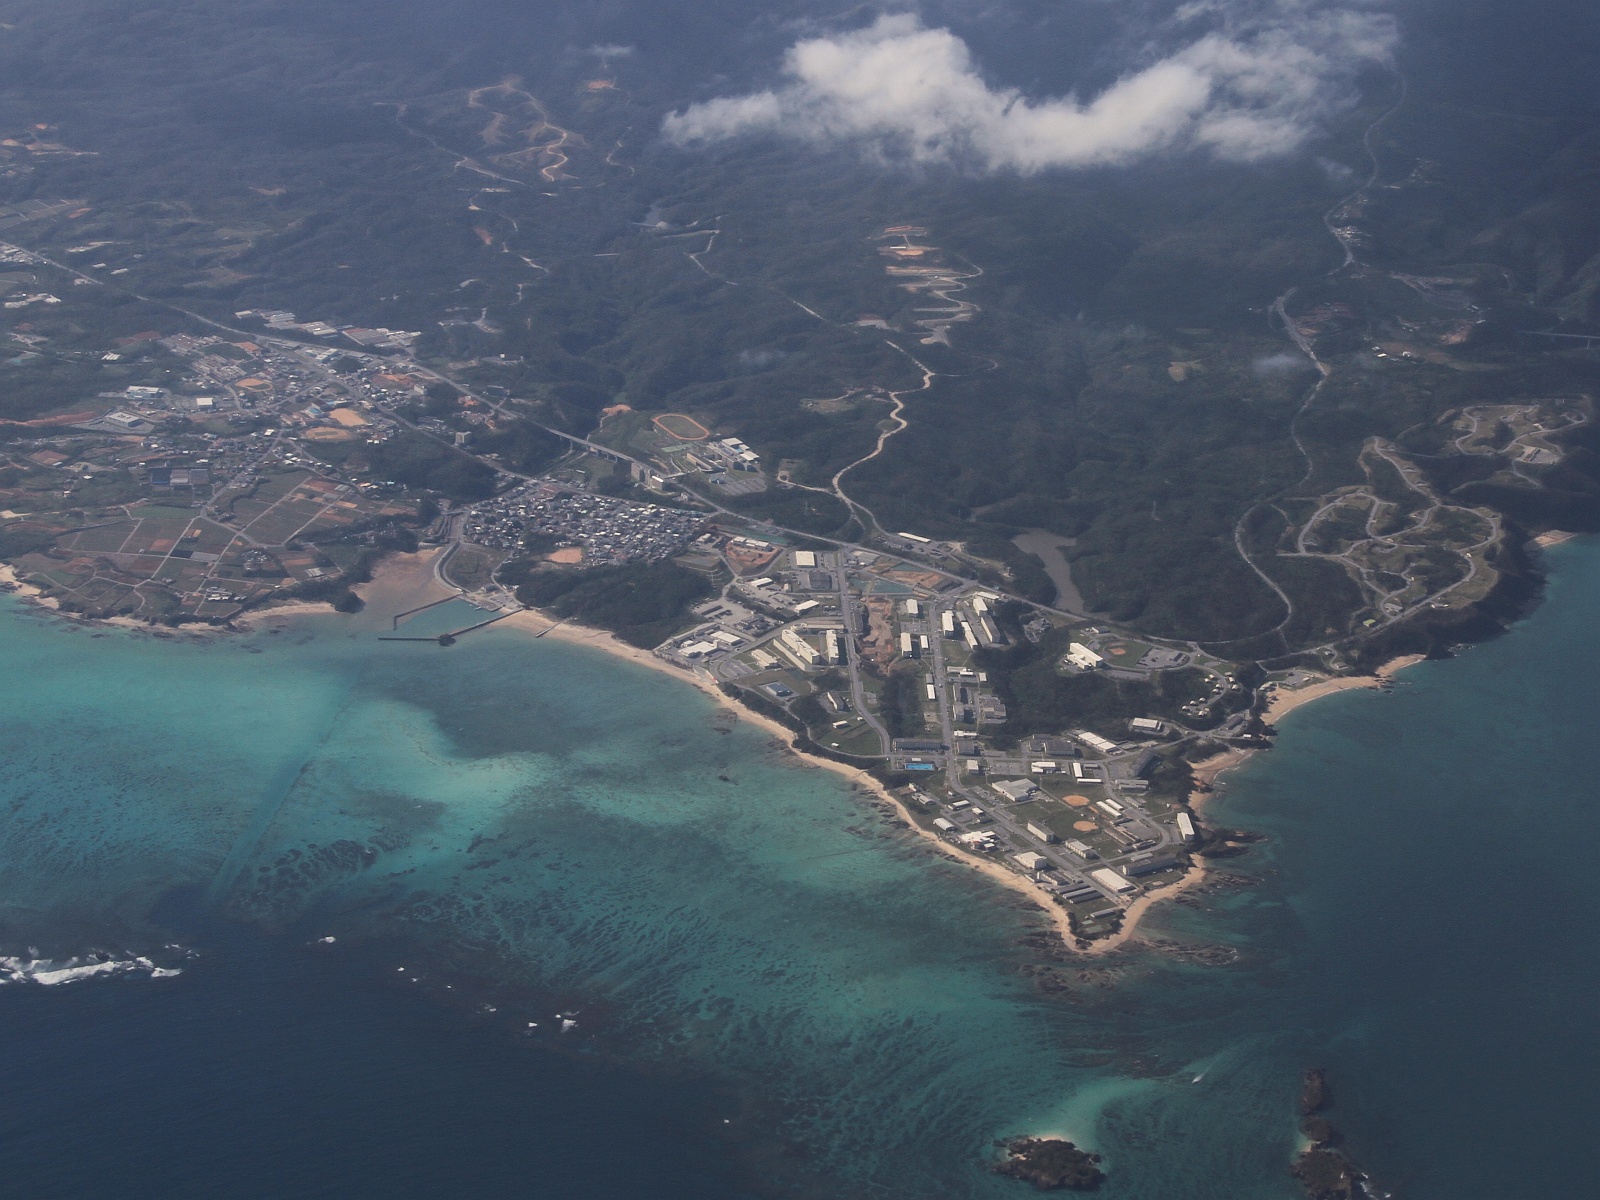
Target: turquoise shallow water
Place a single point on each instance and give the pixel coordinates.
(541, 829)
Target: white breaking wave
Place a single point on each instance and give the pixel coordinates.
(51, 972)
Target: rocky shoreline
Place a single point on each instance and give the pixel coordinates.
(1325, 1170)
(1050, 1164)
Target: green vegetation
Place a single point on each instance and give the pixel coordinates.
(641, 603)
(14, 543)
(900, 702)
(522, 446)
(1122, 384)
(1041, 697)
(415, 462)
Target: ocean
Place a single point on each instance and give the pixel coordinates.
(303, 913)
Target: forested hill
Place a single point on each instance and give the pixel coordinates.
(1166, 359)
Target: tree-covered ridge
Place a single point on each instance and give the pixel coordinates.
(1128, 383)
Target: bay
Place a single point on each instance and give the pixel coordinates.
(770, 986)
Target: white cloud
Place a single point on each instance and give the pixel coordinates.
(1283, 364)
(905, 92)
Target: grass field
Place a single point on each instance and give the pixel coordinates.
(682, 427)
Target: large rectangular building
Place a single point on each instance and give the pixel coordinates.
(798, 648)
(1084, 658)
(1111, 881)
(1015, 789)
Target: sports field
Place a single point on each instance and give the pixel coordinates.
(681, 426)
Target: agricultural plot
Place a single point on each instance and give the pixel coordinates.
(107, 539)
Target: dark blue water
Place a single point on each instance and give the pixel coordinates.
(270, 1073)
(773, 991)
(1435, 851)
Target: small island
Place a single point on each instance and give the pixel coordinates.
(1326, 1172)
(1051, 1164)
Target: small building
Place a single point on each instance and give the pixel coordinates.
(804, 607)
(947, 623)
(933, 692)
(1045, 766)
(1148, 725)
(1186, 827)
(1044, 835)
(1111, 881)
(1088, 772)
(944, 825)
(913, 608)
(908, 646)
(834, 649)
(1029, 861)
(1081, 849)
(805, 558)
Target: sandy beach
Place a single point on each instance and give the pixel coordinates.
(8, 577)
(535, 622)
(406, 581)
(399, 582)
(1281, 704)
(1206, 772)
(1285, 702)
